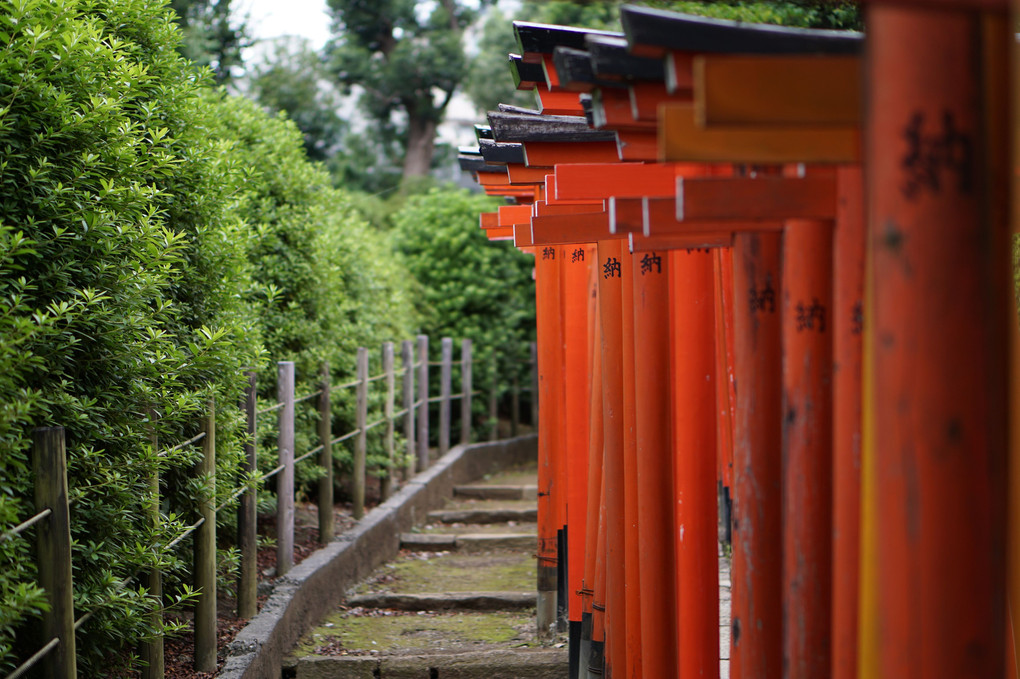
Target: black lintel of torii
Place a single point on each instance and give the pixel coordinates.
(515, 127)
(495, 152)
(611, 59)
(672, 31)
(544, 38)
(510, 108)
(526, 74)
(574, 69)
(588, 106)
(483, 132)
(470, 160)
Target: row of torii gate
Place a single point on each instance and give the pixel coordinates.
(779, 259)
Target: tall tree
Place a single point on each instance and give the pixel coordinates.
(408, 59)
(293, 79)
(213, 35)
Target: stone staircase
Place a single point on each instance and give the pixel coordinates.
(458, 603)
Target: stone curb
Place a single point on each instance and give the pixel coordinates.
(448, 601)
(546, 663)
(468, 542)
(480, 516)
(318, 584)
(497, 492)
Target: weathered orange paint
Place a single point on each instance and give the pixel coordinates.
(758, 90)
(559, 103)
(692, 355)
(933, 576)
(848, 327)
(524, 174)
(758, 198)
(756, 638)
(577, 266)
(638, 145)
(683, 140)
(571, 228)
(489, 179)
(588, 181)
(500, 233)
(522, 236)
(549, 153)
(612, 110)
(611, 311)
(657, 567)
(595, 458)
(488, 220)
(807, 448)
(691, 241)
(632, 552)
(550, 379)
(724, 391)
(514, 214)
(646, 96)
(544, 209)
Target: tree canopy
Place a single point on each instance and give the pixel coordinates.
(407, 59)
(212, 35)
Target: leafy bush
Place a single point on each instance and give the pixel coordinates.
(471, 288)
(122, 277)
(334, 284)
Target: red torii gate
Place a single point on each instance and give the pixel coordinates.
(950, 565)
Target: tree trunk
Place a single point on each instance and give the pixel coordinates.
(421, 143)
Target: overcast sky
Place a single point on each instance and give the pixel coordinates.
(275, 18)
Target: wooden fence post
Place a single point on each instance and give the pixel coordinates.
(494, 401)
(534, 386)
(466, 388)
(205, 552)
(445, 378)
(285, 479)
(423, 396)
(361, 442)
(515, 404)
(53, 538)
(386, 488)
(247, 582)
(152, 651)
(407, 358)
(326, 521)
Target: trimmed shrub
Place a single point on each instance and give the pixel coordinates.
(470, 288)
(121, 283)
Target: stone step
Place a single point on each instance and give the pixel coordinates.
(446, 601)
(484, 515)
(483, 492)
(529, 663)
(468, 542)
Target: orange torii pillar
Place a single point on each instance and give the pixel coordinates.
(690, 391)
(757, 603)
(692, 367)
(653, 380)
(936, 363)
(610, 293)
(642, 627)
(807, 448)
(848, 329)
(578, 284)
(801, 291)
(549, 320)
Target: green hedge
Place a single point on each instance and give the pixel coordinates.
(155, 240)
(470, 287)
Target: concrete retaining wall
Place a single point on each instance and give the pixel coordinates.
(318, 584)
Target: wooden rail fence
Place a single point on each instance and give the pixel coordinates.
(56, 657)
